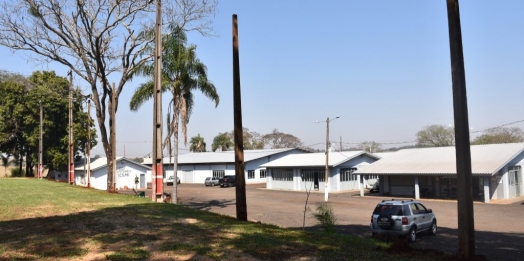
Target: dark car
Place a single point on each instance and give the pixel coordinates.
(228, 180)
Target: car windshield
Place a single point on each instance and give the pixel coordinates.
(395, 210)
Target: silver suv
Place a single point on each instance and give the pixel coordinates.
(403, 218)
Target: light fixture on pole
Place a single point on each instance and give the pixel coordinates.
(326, 179)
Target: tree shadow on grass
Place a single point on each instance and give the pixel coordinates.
(494, 246)
(143, 231)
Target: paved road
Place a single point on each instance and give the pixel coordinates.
(499, 229)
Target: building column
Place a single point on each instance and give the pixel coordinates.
(361, 184)
(486, 189)
(269, 177)
(417, 191)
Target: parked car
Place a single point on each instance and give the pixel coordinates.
(211, 181)
(228, 180)
(169, 180)
(403, 218)
(375, 187)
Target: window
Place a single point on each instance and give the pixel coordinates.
(250, 174)
(283, 174)
(218, 173)
(371, 176)
(309, 174)
(345, 174)
(262, 173)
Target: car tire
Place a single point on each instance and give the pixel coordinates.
(433, 228)
(212, 184)
(385, 222)
(412, 235)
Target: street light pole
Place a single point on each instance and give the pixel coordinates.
(71, 161)
(40, 145)
(326, 177)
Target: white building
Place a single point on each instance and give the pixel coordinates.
(307, 171)
(126, 172)
(195, 167)
(432, 172)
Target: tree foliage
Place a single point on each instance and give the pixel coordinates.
(500, 135)
(252, 140)
(370, 146)
(197, 144)
(20, 113)
(222, 141)
(436, 136)
(95, 40)
(280, 140)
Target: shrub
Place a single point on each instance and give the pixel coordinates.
(16, 172)
(325, 217)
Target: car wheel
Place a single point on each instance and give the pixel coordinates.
(385, 222)
(212, 184)
(433, 229)
(412, 236)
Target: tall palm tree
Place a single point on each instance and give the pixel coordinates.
(222, 141)
(197, 144)
(182, 74)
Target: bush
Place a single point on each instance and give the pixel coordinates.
(16, 172)
(325, 217)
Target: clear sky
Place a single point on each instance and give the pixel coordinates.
(382, 66)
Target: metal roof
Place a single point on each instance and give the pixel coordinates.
(485, 160)
(102, 162)
(315, 159)
(221, 157)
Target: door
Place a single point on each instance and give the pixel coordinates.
(514, 181)
(316, 181)
(424, 219)
(142, 180)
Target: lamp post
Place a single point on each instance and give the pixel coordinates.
(40, 146)
(326, 181)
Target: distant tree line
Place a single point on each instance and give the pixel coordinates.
(252, 140)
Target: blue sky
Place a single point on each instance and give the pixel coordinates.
(382, 66)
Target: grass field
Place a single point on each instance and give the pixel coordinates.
(46, 220)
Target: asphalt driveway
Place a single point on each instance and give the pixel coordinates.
(499, 229)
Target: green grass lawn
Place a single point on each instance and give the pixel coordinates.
(48, 220)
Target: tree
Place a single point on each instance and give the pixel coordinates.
(182, 74)
(20, 110)
(370, 146)
(280, 140)
(95, 40)
(436, 136)
(197, 144)
(222, 141)
(500, 135)
(252, 140)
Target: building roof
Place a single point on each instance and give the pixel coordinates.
(485, 160)
(316, 159)
(102, 162)
(221, 157)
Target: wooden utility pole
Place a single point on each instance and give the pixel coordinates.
(466, 225)
(239, 141)
(157, 172)
(40, 142)
(71, 160)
